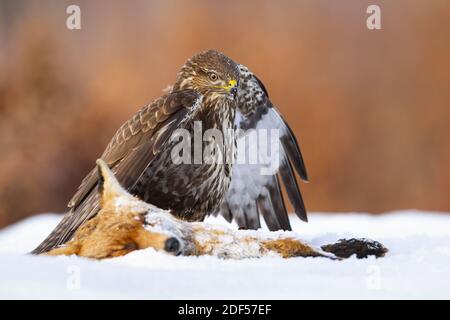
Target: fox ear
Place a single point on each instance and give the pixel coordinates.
(108, 186)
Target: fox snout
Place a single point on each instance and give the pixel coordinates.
(173, 246)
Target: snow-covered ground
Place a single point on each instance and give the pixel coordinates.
(417, 265)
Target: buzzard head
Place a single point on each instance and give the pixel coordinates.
(210, 73)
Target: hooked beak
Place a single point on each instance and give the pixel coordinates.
(232, 87)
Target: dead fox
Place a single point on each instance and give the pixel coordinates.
(125, 224)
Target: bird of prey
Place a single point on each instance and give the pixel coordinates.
(214, 90)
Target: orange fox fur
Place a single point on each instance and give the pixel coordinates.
(125, 224)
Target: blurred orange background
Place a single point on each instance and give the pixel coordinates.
(371, 108)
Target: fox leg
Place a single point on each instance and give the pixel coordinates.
(67, 250)
(291, 247)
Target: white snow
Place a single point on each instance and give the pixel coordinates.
(417, 265)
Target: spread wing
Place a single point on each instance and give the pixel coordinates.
(128, 154)
(253, 192)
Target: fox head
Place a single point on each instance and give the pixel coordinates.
(114, 199)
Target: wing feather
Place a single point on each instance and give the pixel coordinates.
(291, 186)
(279, 207)
(266, 209)
(291, 146)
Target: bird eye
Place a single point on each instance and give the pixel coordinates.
(213, 76)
